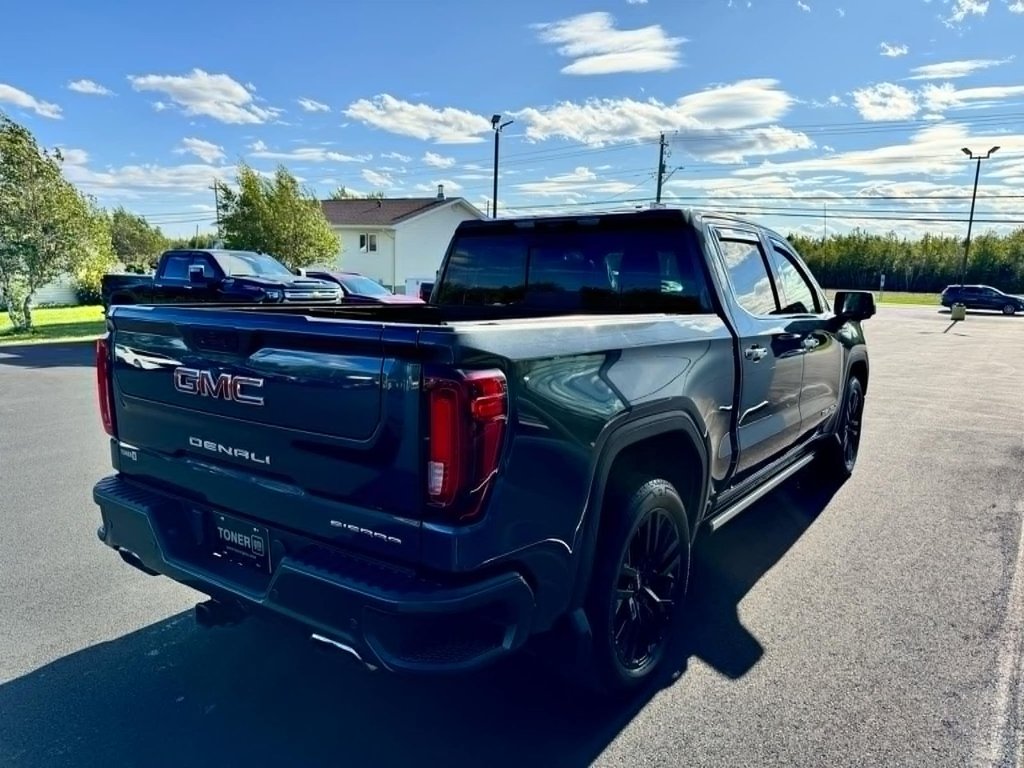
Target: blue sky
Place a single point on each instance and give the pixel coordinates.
(801, 113)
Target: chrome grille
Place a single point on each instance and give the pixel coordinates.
(311, 294)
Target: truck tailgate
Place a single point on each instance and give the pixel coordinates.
(311, 426)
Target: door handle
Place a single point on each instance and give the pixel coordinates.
(755, 353)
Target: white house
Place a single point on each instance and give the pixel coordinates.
(396, 239)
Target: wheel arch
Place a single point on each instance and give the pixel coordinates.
(662, 440)
(858, 366)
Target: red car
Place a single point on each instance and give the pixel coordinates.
(359, 289)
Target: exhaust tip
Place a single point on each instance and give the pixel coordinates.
(343, 648)
(213, 613)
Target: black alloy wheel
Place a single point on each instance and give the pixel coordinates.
(635, 600)
(850, 429)
(650, 572)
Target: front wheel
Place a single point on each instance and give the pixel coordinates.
(839, 457)
(1009, 309)
(635, 602)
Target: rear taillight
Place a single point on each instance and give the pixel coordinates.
(467, 412)
(104, 387)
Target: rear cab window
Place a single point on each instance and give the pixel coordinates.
(653, 266)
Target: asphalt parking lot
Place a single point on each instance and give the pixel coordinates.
(878, 626)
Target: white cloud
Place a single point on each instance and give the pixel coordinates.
(1015, 7)
(636, 2)
(421, 121)
(933, 151)
(435, 160)
(841, 12)
(885, 101)
(397, 156)
(893, 51)
(723, 122)
(803, 6)
(311, 105)
(74, 156)
(378, 179)
(961, 9)
(306, 155)
(598, 48)
(206, 151)
(201, 93)
(19, 98)
(89, 87)
(937, 98)
(133, 181)
(580, 180)
(949, 70)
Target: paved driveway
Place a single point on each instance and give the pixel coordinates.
(881, 626)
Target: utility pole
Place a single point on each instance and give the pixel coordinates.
(974, 197)
(497, 125)
(824, 223)
(216, 202)
(661, 167)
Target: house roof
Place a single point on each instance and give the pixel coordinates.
(382, 213)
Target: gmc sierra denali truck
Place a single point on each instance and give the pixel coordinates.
(534, 453)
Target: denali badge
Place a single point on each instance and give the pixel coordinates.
(227, 450)
(193, 381)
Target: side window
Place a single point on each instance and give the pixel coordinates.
(208, 271)
(797, 295)
(748, 274)
(176, 267)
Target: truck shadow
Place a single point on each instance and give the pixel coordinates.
(170, 694)
(61, 354)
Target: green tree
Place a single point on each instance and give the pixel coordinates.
(855, 260)
(47, 228)
(278, 217)
(98, 259)
(201, 240)
(137, 244)
(344, 194)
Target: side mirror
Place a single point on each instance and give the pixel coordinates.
(854, 305)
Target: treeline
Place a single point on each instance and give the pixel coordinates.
(51, 229)
(856, 260)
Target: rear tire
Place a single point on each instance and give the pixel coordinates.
(839, 456)
(635, 603)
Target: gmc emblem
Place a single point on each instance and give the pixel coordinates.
(224, 386)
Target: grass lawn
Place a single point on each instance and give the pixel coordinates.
(896, 297)
(56, 324)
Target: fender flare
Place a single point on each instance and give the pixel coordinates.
(642, 426)
(857, 355)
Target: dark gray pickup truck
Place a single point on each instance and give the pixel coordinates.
(534, 453)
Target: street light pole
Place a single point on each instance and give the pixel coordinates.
(497, 125)
(974, 197)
